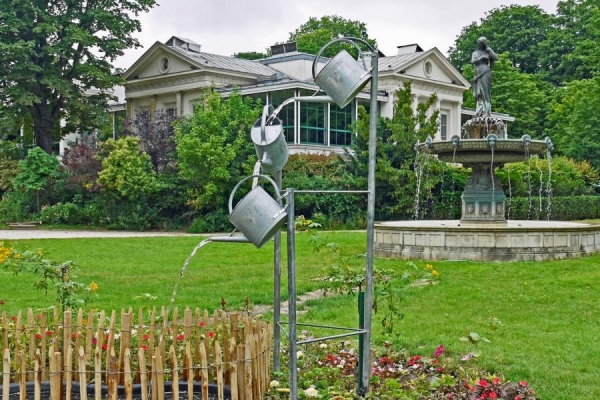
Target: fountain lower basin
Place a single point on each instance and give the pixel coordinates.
(510, 241)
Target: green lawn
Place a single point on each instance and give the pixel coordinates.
(550, 312)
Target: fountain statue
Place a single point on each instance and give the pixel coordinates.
(483, 232)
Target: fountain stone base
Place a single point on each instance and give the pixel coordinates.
(483, 198)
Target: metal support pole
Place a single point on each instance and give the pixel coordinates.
(277, 290)
(291, 244)
(366, 361)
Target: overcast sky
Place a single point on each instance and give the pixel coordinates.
(231, 26)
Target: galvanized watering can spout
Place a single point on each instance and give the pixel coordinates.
(257, 215)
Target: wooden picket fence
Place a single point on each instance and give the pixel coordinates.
(72, 353)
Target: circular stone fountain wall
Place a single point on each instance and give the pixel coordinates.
(514, 241)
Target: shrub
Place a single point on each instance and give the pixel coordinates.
(62, 213)
(216, 221)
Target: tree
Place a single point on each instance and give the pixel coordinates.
(250, 55)
(213, 148)
(395, 176)
(574, 120)
(157, 137)
(316, 33)
(572, 49)
(56, 60)
(36, 172)
(126, 171)
(518, 30)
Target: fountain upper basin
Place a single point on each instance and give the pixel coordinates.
(510, 241)
(470, 151)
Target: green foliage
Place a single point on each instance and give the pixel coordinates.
(250, 55)
(317, 32)
(325, 172)
(214, 221)
(574, 120)
(49, 275)
(37, 174)
(54, 55)
(126, 171)
(67, 213)
(395, 174)
(36, 171)
(518, 30)
(213, 148)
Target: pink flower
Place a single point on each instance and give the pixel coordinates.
(94, 340)
(496, 381)
(438, 352)
(523, 383)
(519, 397)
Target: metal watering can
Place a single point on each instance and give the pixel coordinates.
(269, 141)
(342, 78)
(257, 215)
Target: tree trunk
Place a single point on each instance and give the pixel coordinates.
(43, 125)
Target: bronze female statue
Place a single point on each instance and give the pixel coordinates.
(483, 59)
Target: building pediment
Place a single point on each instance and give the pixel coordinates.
(428, 65)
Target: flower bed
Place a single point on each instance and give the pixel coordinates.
(95, 353)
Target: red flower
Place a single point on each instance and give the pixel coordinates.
(329, 357)
(74, 335)
(180, 336)
(211, 334)
(519, 397)
(384, 360)
(38, 336)
(523, 383)
(104, 346)
(493, 395)
(145, 347)
(483, 383)
(201, 324)
(496, 381)
(48, 333)
(146, 336)
(13, 318)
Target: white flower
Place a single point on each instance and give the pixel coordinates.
(311, 392)
(133, 332)
(299, 354)
(323, 345)
(274, 384)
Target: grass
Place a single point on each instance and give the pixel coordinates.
(549, 311)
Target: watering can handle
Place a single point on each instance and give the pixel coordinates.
(244, 180)
(266, 111)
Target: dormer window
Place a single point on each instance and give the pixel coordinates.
(164, 64)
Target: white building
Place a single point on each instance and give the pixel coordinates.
(172, 75)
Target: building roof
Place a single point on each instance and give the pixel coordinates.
(208, 60)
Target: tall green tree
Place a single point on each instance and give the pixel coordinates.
(37, 172)
(57, 59)
(516, 29)
(574, 120)
(572, 48)
(317, 32)
(214, 150)
(395, 176)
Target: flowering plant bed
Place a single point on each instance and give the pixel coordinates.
(328, 371)
(96, 353)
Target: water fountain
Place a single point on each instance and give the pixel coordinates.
(483, 232)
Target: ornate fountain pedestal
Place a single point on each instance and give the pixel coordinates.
(483, 198)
